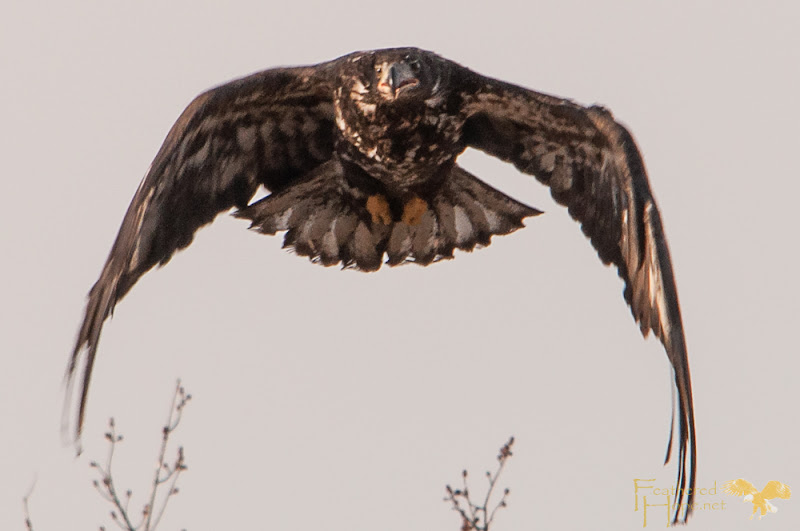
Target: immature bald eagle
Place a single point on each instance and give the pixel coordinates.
(359, 155)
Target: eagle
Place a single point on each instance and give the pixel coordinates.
(359, 156)
(760, 500)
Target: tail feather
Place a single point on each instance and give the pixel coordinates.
(400, 246)
(446, 216)
(327, 220)
(426, 242)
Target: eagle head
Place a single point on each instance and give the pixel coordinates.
(394, 76)
(405, 74)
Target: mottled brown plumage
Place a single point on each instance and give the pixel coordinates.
(359, 155)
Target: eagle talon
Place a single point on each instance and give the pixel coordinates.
(378, 208)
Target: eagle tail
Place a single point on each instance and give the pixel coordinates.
(464, 213)
(331, 222)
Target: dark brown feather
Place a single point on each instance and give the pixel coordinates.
(593, 167)
(269, 128)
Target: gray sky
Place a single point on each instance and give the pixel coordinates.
(339, 400)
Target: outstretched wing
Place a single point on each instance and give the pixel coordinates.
(593, 167)
(268, 128)
(739, 487)
(776, 489)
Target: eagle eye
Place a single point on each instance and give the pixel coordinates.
(413, 64)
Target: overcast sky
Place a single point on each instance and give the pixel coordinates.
(338, 400)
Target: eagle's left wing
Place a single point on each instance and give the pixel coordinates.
(269, 128)
(593, 167)
(776, 489)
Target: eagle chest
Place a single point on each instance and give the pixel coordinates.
(400, 146)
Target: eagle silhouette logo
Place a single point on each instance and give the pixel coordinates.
(774, 489)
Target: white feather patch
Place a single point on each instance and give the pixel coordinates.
(367, 109)
(282, 222)
(133, 263)
(494, 220)
(357, 91)
(340, 123)
(463, 226)
(329, 246)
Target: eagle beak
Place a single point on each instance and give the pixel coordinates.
(395, 78)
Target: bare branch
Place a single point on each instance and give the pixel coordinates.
(171, 472)
(476, 517)
(105, 486)
(179, 401)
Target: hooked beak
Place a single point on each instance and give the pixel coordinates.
(395, 78)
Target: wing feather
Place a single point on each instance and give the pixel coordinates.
(269, 128)
(593, 167)
(776, 489)
(739, 487)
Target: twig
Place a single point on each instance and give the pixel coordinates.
(476, 517)
(108, 490)
(28, 522)
(179, 401)
(171, 472)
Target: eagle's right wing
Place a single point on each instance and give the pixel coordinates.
(739, 487)
(268, 128)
